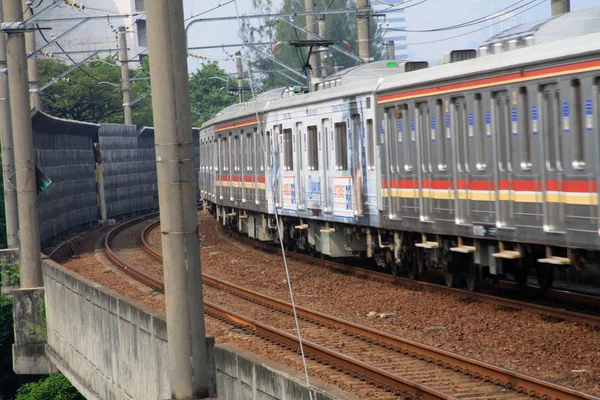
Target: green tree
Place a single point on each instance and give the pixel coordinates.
(339, 27)
(92, 93)
(54, 387)
(208, 92)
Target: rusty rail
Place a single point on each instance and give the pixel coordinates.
(518, 382)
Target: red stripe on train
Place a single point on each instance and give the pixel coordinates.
(484, 185)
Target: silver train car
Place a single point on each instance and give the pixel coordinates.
(485, 166)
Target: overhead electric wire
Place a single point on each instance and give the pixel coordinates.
(477, 21)
(209, 10)
(468, 33)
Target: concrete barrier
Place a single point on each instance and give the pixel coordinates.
(242, 375)
(109, 346)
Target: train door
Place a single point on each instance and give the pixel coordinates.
(424, 162)
(459, 124)
(356, 165)
(553, 169)
(504, 163)
(299, 152)
(327, 146)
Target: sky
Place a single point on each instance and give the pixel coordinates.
(429, 14)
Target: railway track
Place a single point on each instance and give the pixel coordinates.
(557, 296)
(400, 366)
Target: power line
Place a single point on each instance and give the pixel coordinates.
(209, 10)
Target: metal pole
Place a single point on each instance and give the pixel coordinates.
(125, 75)
(32, 69)
(309, 7)
(187, 349)
(324, 53)
(391, 50)
(8, 158)
(362, 22)
(560, 7)
(240, 75)
(29, 220)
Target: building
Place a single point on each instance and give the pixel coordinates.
(90, 26)
(393, 24)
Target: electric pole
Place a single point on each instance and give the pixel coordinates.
(240, 75)
(8, 157)
(29, 219)
(391, 50)
(362, 22)
(309, 6)
(324, 53)
(34, 78)
(560, 7)
(123, 58)
(174, 144)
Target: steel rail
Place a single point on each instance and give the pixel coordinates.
(587, 319)
(520, 383)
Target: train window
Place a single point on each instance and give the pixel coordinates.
(552, 127)
(225, 154)
(370, 144)
(214, 154)
(268, 145)
(313, 148)
(459, 110)
(299, 145)
(288, 155)
(341, 147)
(525, 129)
(503, 130)
(237, 154)
(250, 151)
(480, 133)
(260, 150)
(403, 126)
(425, 134)
(392, 132)
(577, 113)
(368, 103)
(441, 137)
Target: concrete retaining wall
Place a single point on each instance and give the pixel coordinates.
(107, 345)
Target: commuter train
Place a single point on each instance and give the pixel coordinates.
(481, 166)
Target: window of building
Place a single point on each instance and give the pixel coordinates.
(313, 148)
(341, 147)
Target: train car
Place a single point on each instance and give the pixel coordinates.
(486, 165)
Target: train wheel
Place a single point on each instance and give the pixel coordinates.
(474, 275)
(545, 275)
(415, 267)
(452, 278)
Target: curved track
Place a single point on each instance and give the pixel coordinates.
(555, 295)
(401, 366)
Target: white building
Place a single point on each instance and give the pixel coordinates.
(394, 25)
(93, 25)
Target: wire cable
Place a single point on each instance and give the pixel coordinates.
(279, 228)
(209, 10)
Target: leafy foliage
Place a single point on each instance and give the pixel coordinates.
(12, 270)
(6, 319)
(340, 27)
(206, 96)
(92, 93)
(55, 387)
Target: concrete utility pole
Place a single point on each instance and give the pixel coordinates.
(323, 55)
(362, 22)
(560, 7)
(8, 157)
(187, 348)
(309, 6)
(391, 50)
(123, 58)
(240, 75)
(29, 219)
(34, 78)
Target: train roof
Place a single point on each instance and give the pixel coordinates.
(565, 26)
